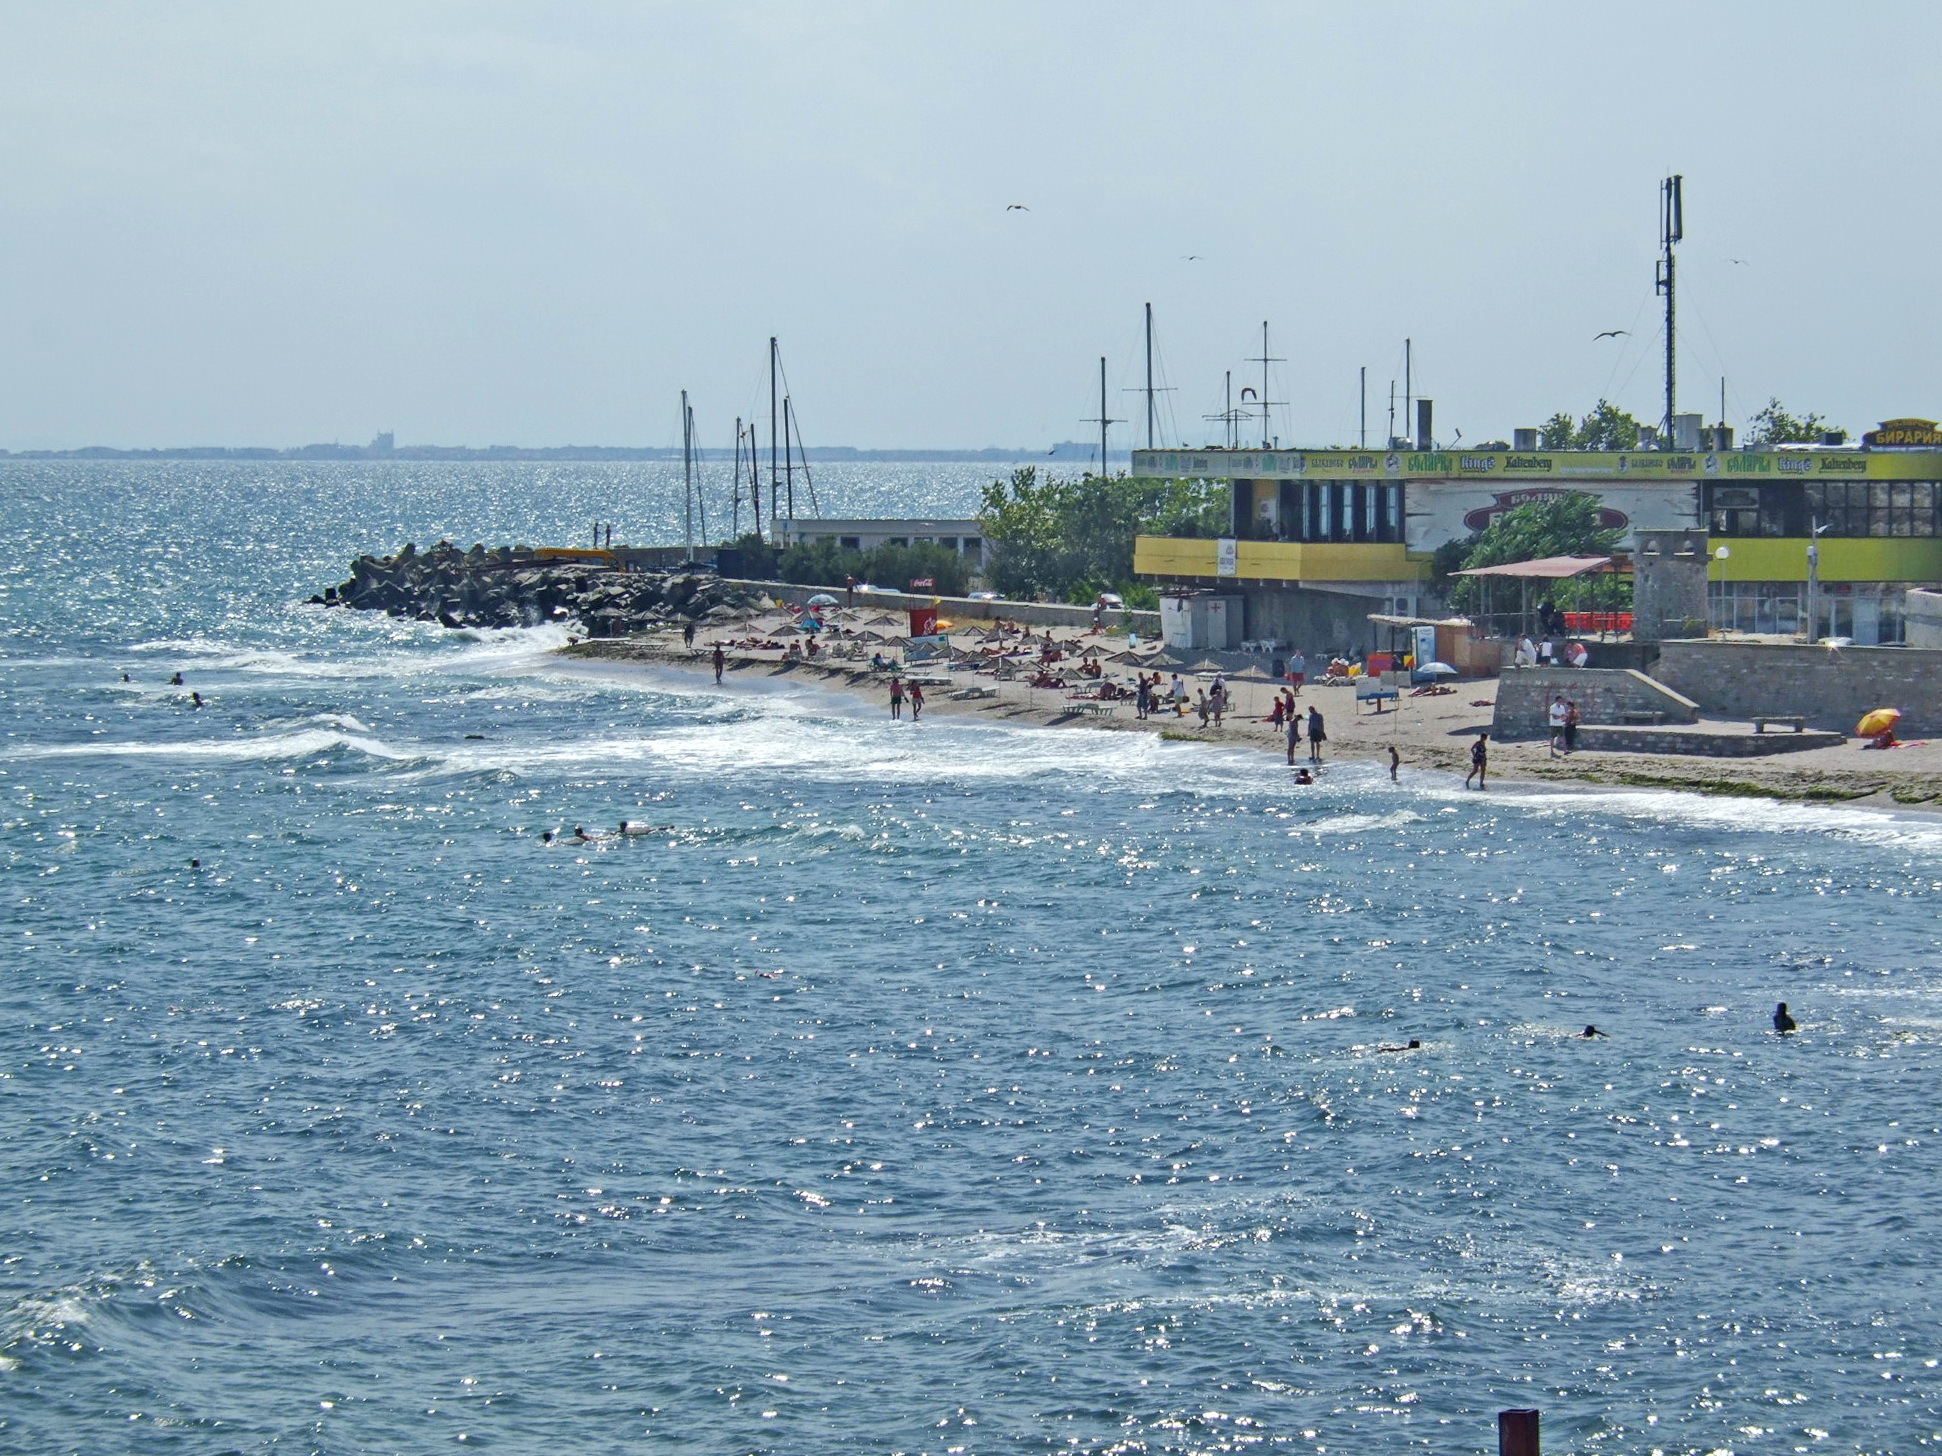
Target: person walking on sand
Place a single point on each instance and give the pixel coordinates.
(721, 661)
(896, 697)
(1571, 719)
(1200, 705)
(1479, 761)
(1217, 701)
(1317, 735)
(688, 634)
(916, 701)
(1555, 716)
(1297, 670)
(1278, 714)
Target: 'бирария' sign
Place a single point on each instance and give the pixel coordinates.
(1918, 433)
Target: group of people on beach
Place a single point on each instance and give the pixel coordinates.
(1563, 718)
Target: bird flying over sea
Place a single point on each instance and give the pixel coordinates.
(1741, 261)
(1191, 258)
(1609, 334)
(1018, 207)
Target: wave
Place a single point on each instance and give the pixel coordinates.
(258, 748)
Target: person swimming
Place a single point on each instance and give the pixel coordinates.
(1414, 1046)
(633, 827)
(1591, 1031)
(1303, 776)
(1782, 1022)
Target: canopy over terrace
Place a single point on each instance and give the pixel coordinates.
(1547, 568)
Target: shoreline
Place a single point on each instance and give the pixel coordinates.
(1433, 733)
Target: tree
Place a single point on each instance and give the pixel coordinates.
(1607, 427)
(1074, 538)
(1558, 431)
(1773, 425)
(1565, 525)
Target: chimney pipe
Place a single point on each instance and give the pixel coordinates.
(1424, 439)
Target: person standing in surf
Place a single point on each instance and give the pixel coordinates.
(896, 697)
(1317, 735)
(721, 661)
(1479, 760)
(916, 701)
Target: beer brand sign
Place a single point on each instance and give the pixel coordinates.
(1509, 500)
(1908, 434)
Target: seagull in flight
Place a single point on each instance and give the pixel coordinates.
(1741, 261)
(1191, 258)
(1018, 207)
(1609, 334)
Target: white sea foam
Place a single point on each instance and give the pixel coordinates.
(240, 749)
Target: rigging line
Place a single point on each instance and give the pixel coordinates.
(1705, 328)
(1632, 341)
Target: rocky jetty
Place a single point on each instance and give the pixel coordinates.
(513, 586)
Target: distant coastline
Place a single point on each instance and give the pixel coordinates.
(1066, 452)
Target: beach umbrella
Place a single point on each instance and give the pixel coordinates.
(822, 599)
(1162, 659)
(1207, 664)
(1253, 674)
(1436, 669)
(1878, 722)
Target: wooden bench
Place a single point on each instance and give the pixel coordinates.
(1653, 716)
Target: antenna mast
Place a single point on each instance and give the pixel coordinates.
(1267, 443)
(1362, 441)
(1672, 228)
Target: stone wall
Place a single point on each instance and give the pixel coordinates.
(1829, 686)
(1320, 623)
(1603, 696)
(1702, 743)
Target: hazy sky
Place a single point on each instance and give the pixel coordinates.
(535, 223)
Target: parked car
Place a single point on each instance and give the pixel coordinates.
(982, 596)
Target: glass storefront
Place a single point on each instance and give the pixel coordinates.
(1339, 511)
(1868, 612)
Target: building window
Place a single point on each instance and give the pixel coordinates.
(850, 543)
(1849, 508)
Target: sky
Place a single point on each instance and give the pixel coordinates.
(479, 223)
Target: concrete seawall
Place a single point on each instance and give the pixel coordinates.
(1831, 687)
(1603, 695)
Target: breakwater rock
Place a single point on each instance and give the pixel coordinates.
(514, 586)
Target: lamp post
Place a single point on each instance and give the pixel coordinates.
(1720, 553)
(1814, 582)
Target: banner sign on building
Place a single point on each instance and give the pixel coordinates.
(1227, 557)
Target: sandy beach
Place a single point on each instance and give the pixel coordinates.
(1430, 732)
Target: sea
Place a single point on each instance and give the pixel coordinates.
(914, 1088)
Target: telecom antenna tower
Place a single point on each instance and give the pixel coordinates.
(1672, 228)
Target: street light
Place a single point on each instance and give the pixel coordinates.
(1814, 582)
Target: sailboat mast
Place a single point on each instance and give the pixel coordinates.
(789, 459)
(701, 499)
(1149, 377)
(772, 432)
(687, 475)
(735, 487)
(755, 478)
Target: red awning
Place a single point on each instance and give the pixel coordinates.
(1549, 568)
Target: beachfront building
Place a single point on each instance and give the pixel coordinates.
(964, 537)
(1321, 538)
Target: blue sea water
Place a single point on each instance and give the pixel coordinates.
(935, 1088)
